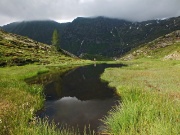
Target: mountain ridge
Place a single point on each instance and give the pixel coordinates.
(35, 29)
(99, 36)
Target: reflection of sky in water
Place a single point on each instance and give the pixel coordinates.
(79, 97)
(72, 109)
(75, 112)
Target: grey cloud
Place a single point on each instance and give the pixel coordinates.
(135, 10)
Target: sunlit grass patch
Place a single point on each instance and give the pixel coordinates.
(150, 101)
(152, 75)
(19, 101)
(17, 105)
(144, 113)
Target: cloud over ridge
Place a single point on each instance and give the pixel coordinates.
(133, 10)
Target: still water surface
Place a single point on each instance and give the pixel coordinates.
(79, 98)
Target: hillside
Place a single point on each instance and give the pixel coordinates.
(21, 59)
(19, 50)
(99, 36)
(112, 37)
(148, 87)
(38, 30)
(164, 47)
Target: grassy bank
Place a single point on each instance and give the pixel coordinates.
(22, 58)
(19, 101)
(150, 94)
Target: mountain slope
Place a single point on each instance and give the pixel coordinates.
(112, 37)
(99, 36)
(164, 47)
(38, 30)
(19, 50)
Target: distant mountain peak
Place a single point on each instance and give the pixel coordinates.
(97, 35)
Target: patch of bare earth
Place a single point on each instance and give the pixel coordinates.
(4, 106)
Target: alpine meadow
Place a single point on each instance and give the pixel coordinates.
(114, 69)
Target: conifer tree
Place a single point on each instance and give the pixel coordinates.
(55, 39)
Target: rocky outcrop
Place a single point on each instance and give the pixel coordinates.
(173, 56)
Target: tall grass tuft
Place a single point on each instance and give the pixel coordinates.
(144, 113)
(150, 98)
(19, 101)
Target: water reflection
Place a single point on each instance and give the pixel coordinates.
(79, 97)
(77, 113)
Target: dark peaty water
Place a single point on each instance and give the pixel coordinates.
(79, 98)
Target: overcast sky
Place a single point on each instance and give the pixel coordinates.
(67, 10)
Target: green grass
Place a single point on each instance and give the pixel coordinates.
(160, 52)
(19, 50)
(19, 101)
(150, 93)
(165, 47)
(149, 88)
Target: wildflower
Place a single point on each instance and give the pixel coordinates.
(32, 110)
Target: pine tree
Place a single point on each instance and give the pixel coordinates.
(56, 39)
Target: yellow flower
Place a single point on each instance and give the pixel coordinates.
(32, 110)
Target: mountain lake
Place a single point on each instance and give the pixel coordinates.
(79, 98)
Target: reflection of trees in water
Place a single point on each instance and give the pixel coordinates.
(52, 89)
(47, 78)
(79, 97)
(85, 84)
